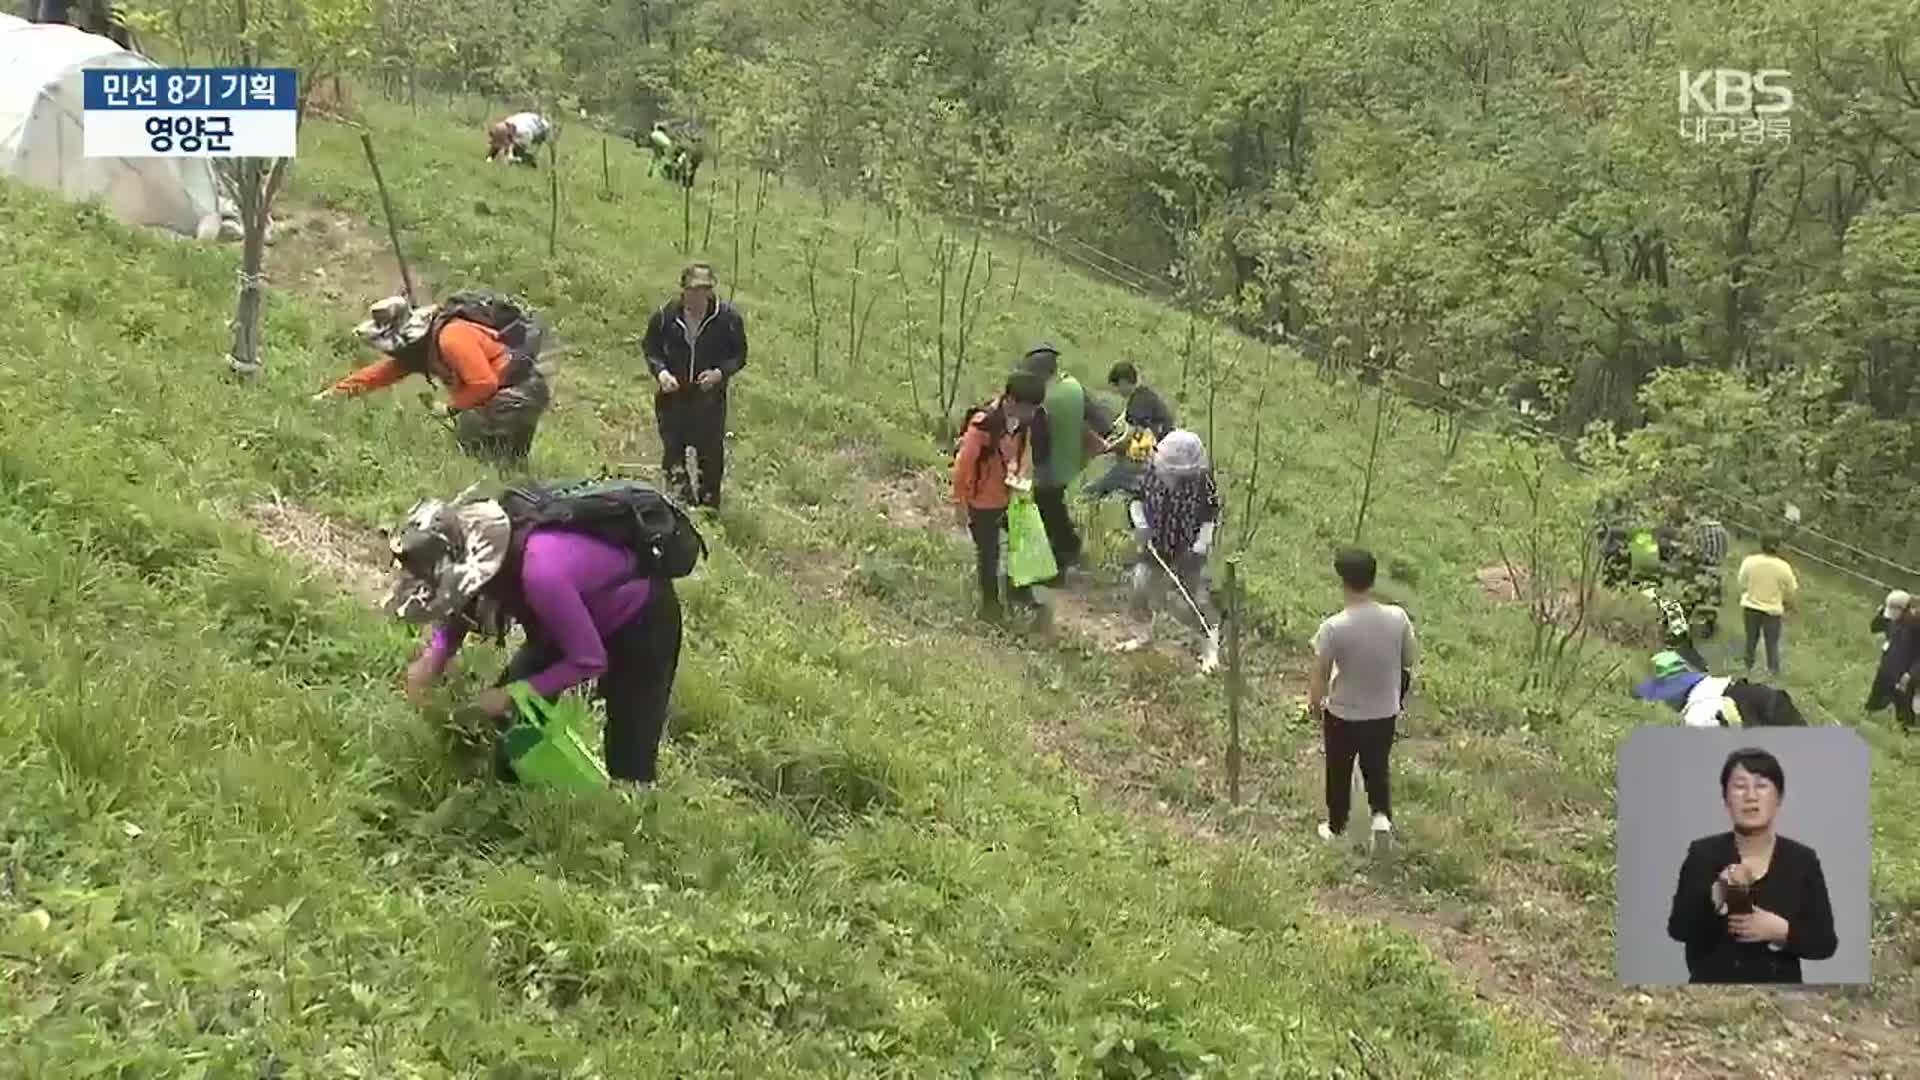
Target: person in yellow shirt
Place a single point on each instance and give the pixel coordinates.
(1767, 587)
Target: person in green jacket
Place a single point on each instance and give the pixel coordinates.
(1064, 439)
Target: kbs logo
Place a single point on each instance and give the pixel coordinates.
(1725, 103)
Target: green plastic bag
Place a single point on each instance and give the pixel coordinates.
(1644, 552)
(1029, 558)
(545, 748)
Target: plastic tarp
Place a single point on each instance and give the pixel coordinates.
(41, 140)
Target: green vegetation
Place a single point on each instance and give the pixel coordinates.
(1502, 194)
(229, 843)
(228, 846)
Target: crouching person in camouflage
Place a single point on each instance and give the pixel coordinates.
(482, 346)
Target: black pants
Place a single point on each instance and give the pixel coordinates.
(698, 424)
(642, 658)
(1061, 536)
(1372, 742)
(1762, 625)
(986, 528)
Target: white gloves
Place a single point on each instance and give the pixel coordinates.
(1137, 512)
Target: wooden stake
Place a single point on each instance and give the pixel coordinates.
(1233, 680)
(386, 204)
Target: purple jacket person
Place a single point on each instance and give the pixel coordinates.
(587, 613)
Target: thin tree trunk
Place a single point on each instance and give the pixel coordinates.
(713, 185)
(1373, 459)
(553, 196)
(734, 228)
(1234, 686)
(759, 202)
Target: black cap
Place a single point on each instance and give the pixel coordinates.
(1043, 359)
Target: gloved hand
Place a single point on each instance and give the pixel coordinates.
(1143, 537)
(439, 410)
(1204, 542)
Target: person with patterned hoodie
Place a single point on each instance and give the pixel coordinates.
(587, 612)
(1174, 517)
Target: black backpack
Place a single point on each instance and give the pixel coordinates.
(1764, 706)
(629, 513)
(505, 315)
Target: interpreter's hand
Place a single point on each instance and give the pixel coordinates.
(419, 682)
(709, 378)
(1737, 874)
(668, 384)
(1758, 925)
(494, 703)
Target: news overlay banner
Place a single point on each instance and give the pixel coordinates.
(189, 112)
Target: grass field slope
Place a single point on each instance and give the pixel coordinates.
(885, 843)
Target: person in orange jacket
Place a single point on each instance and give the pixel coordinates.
(993, 448)
(495, 395)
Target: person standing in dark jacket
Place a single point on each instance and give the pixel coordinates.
(694, 347)
(1750, 904)
(1898, 675)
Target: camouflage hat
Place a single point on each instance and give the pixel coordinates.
(394, 324)
(445, 554)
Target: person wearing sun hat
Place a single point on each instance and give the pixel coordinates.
(495, 394)
(587, 613)
(1174, 517)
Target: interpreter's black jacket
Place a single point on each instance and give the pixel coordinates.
(1794, 889)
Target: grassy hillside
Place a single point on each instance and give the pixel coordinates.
(873, 852)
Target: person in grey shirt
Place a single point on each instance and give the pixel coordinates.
(1363, 667)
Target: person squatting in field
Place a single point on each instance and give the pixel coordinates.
(495, 393)
(1174, 517)
(1704, 700)
(694, 346)
(515, 138)
(1144, 419)
(587, 612)
(677, 161)
(987, 467)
